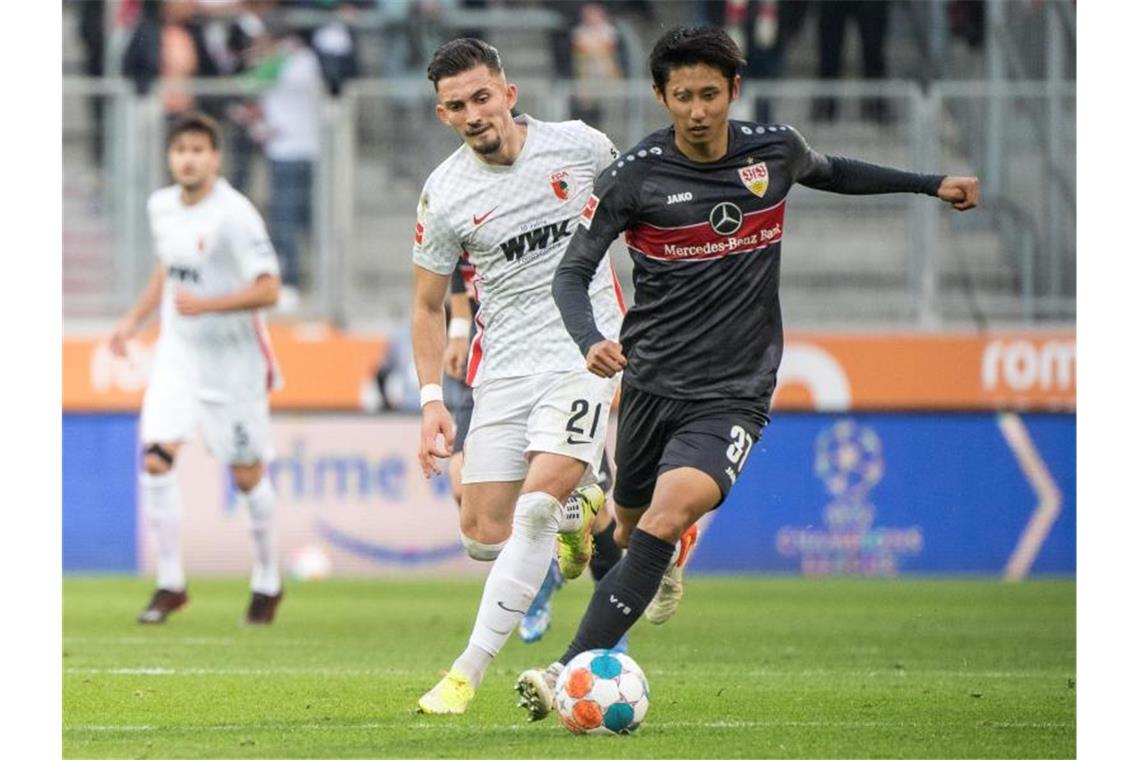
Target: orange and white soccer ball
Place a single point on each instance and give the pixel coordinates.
(602, 692)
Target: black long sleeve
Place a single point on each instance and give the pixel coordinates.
(850, 176)
(572, 287)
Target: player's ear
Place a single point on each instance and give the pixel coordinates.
(512, 95)
(734, 90)
(441, 113)
(657, 93)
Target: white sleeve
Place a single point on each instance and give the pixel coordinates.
(150, 211)
(249, 243)
(602, 149)
(436, 247)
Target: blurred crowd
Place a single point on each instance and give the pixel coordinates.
(294, 53)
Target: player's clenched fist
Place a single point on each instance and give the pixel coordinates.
(119, 338)
(187, 304)
(962, 192)
(605, 358)
(436, 424)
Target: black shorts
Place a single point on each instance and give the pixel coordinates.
(459, 400)
(656, 434)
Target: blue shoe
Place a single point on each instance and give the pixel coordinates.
(537, 619)
(623, 644)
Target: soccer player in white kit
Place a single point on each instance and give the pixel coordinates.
(511, 197)
(213, 364)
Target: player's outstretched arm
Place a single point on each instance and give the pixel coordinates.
(139, 313)
(427, 347)
(850, 176)
(258, 294)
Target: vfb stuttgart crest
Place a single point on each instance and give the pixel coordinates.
(755, 178)
(562, 183)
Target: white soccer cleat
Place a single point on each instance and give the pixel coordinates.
(668, 597)
(536, 690)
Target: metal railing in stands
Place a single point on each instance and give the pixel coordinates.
(379, 140)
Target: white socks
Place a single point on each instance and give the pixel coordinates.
(266, 577)
(162, 504)
(513, 581)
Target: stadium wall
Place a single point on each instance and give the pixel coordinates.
(966, 483)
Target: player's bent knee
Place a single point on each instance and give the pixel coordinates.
(667, 527)
(536, 513)
(157, 460)
(484, 552)
(246, 477)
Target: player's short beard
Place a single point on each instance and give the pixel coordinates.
(486, 149)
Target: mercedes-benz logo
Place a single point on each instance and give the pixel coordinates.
(726, 218)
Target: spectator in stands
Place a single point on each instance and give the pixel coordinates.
(871, 19)
(763, 29)
(335, 45)
(287, 124)
(166, 45)
(91, 32)
(596, 57)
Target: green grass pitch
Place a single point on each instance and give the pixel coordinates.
(749, 667)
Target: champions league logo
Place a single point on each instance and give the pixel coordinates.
(849, 462)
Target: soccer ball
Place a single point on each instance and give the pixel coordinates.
(602, 692)
(310, 563)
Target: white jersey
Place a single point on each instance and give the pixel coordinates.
(216, 246)
(514, 223)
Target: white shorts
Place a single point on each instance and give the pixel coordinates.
(235, 431)
(558, 412)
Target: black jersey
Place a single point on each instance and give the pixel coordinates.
(705, 242)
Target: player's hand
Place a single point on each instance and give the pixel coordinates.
(605, 358)
(120, 336)
(188, 304)
(436, 424)
(962, 192)
(455, 358)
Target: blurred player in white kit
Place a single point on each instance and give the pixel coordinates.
(213, 366)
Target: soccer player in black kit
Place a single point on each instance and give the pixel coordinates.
(701, 204)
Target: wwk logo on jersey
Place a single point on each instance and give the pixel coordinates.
(536, 239)
(755, 178)
(562, 183)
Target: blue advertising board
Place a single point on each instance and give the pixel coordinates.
(880, 494)
(821, 494)
(100, 476)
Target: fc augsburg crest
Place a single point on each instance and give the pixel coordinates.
(562, 184)
(755, 178)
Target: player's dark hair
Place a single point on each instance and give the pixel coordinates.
(461, 55)
(692, 45)
(196, 122)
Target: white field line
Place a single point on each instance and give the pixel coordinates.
(143, 640)
(371, 672)
(432, 725)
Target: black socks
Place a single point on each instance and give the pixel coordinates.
(623, 594)
(606, 552)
